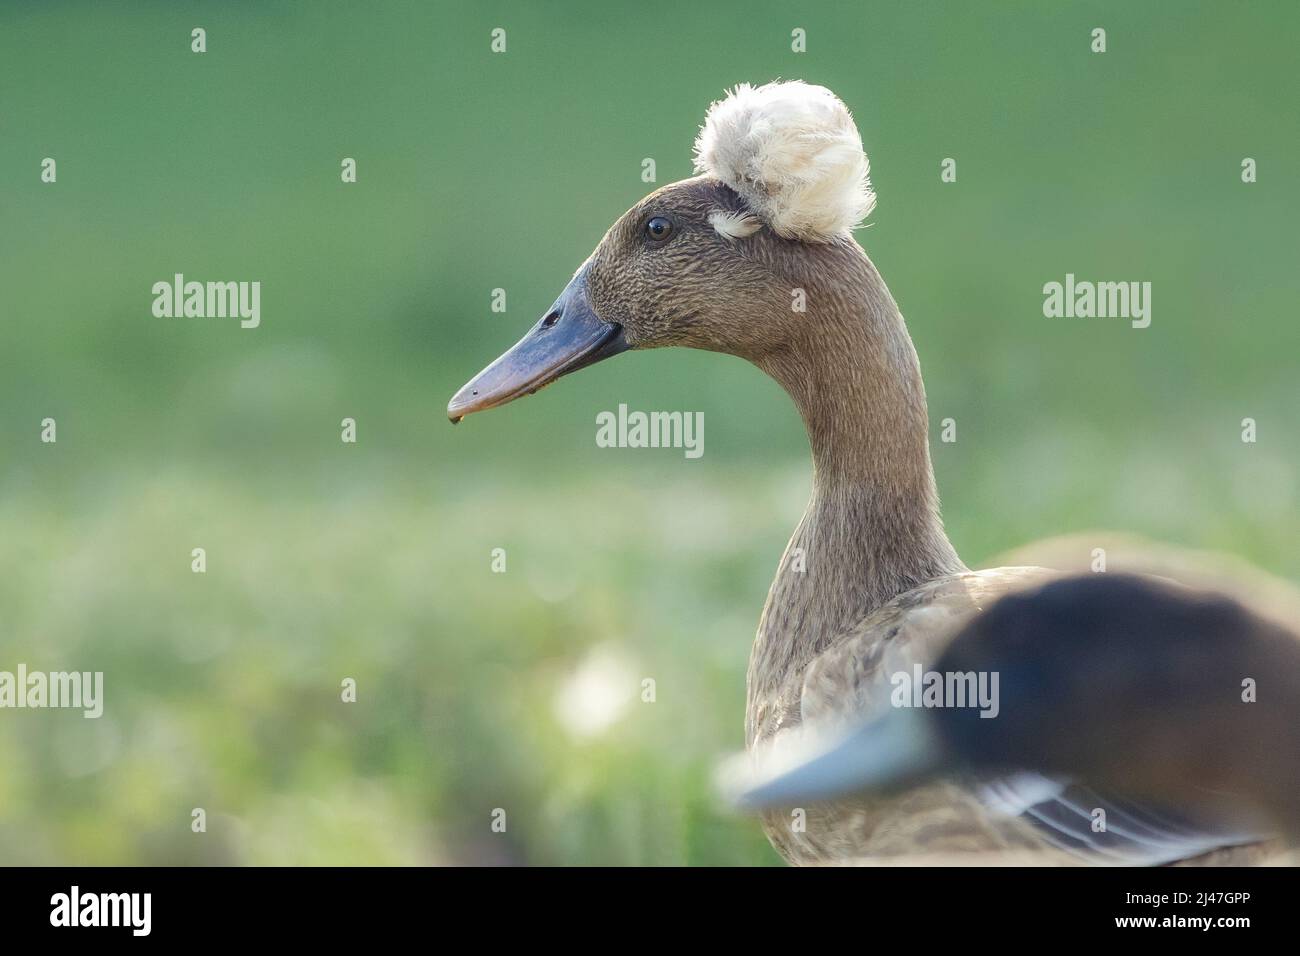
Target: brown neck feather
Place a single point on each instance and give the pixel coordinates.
(872, 529)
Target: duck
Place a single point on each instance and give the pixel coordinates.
(754, 256)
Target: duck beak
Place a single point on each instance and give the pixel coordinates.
(569, 337)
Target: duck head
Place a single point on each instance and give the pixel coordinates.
(711, 262)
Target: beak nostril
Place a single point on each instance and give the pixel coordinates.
(550, 320)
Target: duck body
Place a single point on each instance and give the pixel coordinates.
(1008, 816)
(1124, 697)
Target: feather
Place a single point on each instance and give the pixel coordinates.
(792, 152)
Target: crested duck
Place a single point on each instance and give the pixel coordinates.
(714, 262)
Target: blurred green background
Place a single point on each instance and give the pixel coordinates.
(477, 171)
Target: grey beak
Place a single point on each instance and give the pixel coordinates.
(569, 337)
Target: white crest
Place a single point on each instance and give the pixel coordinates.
(793, 153)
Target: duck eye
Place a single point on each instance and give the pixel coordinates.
(658, 228)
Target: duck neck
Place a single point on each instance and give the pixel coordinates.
(872, 529)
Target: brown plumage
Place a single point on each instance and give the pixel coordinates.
(1180, 698)
(869, 573)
